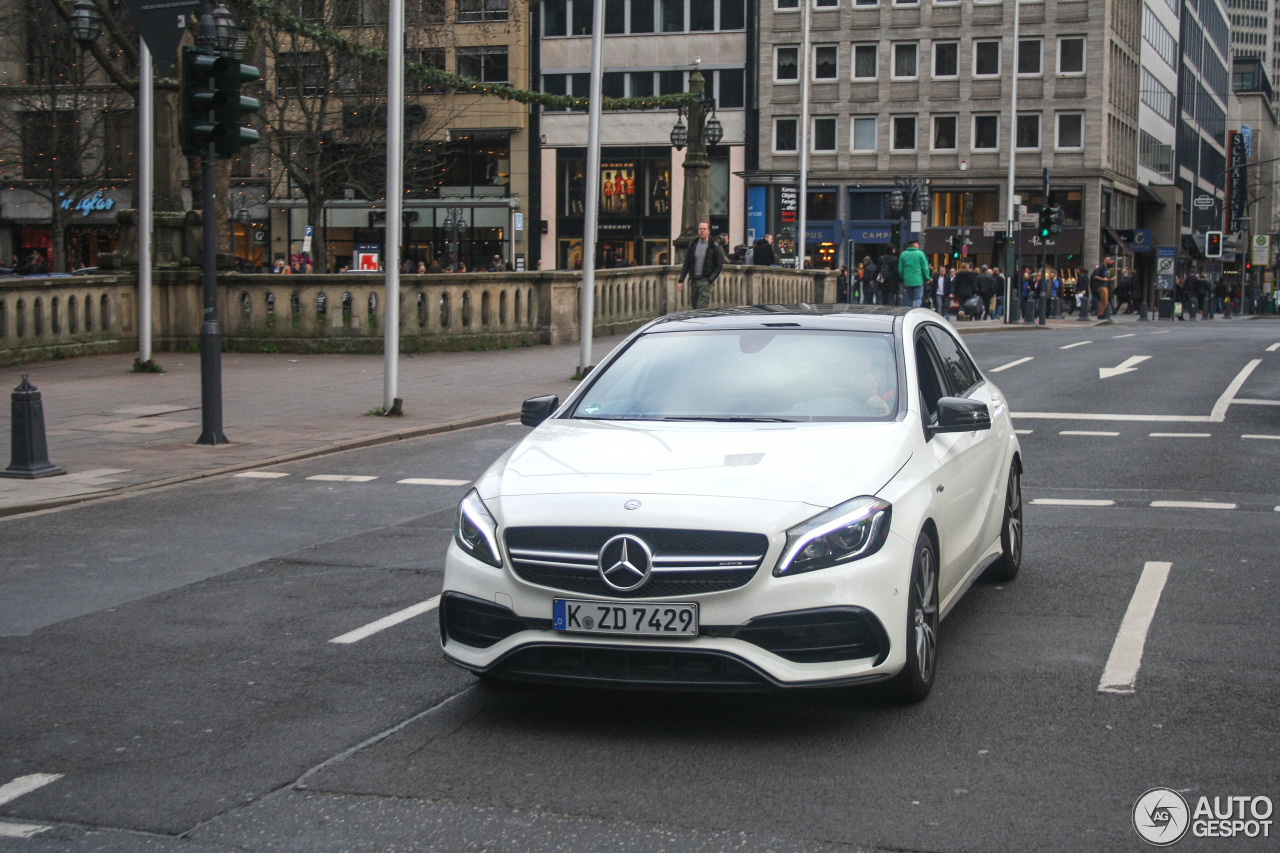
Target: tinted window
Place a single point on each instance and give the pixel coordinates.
(958, 370)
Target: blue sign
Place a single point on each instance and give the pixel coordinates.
(1166, 251)
(871, 235)
(757, 204)
(822, 231)
(1143, 240)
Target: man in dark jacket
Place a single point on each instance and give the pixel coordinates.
(762, 253)
(702, 265)
(867, 280)
(889, 280)
(987, 291)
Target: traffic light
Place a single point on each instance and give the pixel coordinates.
(1046, 220)
(200, 96)
(955, 241)
(1213, 244)
(234, 108)
(895, 234)
(1057, 219)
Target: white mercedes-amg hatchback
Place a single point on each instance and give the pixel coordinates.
(750, 497)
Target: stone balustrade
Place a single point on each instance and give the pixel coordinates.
(56, 317)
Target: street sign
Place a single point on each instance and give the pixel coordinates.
(306, 241)
(162, 26)
(1203, 202)
(1164, 266)
(1262, 250)
(997, 229)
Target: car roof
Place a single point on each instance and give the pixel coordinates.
(870, 318)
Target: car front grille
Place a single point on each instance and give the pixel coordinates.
(685, 562)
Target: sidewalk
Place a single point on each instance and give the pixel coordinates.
(113, 430)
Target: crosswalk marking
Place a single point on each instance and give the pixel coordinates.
(1121, 672)
(1088, 432)
(1072, 502)
(430, 481)
(1012, 364)
(25, 785)
(387, 621)
(1180, 434)
(262, 475)
(341, 478)
(1191, 505)
(1076, 344)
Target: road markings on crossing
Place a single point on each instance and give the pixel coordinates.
(1118, 337)
(429, 481)
(1011, 364)
(1247, 401)
(262, 475)
(21, 830)
(1101, 433)
(1129, 365)
(1191, 505)
(1219, 412)
(1072, 502)
(1271, 437)
(25, 785)
(1273, 347)
(1121, 672)
(1180, 434)
(1023, 431)
(1076, 344)
(388, 621)
(342, 478)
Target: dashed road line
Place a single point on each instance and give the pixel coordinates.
(388, 621)
(1191, 505)
(1102, 433)
(1263, 437)
(429, 481)
(1121, 672)
(261, 475)
(1118, 337)
(1076, 344)
(21, 830)
(1219, 413)
(1023, 431)
(1247, 401)
(1180, 434)
(342, 478)
(1273, 347)
(25, 785)
(1012, 364)
(1072, 502)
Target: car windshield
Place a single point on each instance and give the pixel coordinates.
(762, 375)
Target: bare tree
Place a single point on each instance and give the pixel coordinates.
(65, 129)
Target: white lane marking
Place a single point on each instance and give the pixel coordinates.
(1086, 416)
(1088, 432)
(1165, 332)
(341, 478)
(1273, 347)
(1191, 505)
(427, 481)
(1219, 412)
(1180, 434)
(1275, 437)
(1023, 431)
(21, 830)
(1121, 671)
(1118, 337)
(1248, 401)
(1072, 502)
(388, 621)
(1011, 364)
(25, 785)
(1129, 365)
(262, 475)
(1076, 344)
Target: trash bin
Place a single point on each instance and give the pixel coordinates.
(1166, 309)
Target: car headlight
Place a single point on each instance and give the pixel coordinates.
(842, 534)
(476, 531)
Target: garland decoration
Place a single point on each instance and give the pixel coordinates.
(324, 37)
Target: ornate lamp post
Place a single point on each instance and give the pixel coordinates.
(909, 195)
(453, 224)
(703, 129)
(86, 23)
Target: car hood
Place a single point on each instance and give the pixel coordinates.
(816, 463)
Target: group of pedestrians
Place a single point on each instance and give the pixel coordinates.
(1199, 295)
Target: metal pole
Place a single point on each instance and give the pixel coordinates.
(146, 139)
(210, 334)
(1010, 283)
(395, 202)
(592, 207)
(803, 225)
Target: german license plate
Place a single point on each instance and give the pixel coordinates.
(624, 619)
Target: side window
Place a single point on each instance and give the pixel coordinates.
(959, 371)
(932, 387)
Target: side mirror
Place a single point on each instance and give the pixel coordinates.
(536, 410)
(958, 414)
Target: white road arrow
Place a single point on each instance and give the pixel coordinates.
(1126, 366)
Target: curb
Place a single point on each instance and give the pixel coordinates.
(323, 450)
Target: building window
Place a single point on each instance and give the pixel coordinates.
(1028, 131)
(1071, 55)
(430, 57)
(986, 133)
(555, 18)
(642, 16)
(904, 61)
(121, 129)
(825, 4)
(51, 145)
(300, 74)
(1070, 131)
(1029, 51)
(944, 133)
(786, 5)
(784, 135)
(481, 10)
(826, 65)
(986, 59)
(702, 17)
(865, 61)
(729, 88)
(486, 64)
(904, 133)
(862, 135)
(824, 135)
(786, 64)
(946, 59)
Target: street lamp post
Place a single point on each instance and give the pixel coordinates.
(703, 129)
(910, 195)
(239, 213)
(453, 224)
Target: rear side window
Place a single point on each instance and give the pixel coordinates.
(958, 369)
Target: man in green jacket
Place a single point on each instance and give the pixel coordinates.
(913, 267)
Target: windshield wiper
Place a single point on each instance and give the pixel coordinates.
(750, 419)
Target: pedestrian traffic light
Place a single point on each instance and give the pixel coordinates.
(235, 108)
(955, 241)
(1058, 219)
(895, 234)
(1213, 244)
(1046, 220)
(200, 97)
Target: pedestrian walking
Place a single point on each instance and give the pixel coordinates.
(762, 252)
(702, 265)
(1100, 285)
(913, 267)
(889, 280)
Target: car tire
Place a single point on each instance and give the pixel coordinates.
(1005, 568)
(915, 680)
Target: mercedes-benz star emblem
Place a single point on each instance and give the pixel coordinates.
(625, 562)
(631, 504)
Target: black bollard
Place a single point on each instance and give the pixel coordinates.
(30, 457)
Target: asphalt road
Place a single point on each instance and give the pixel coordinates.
(170, 681)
